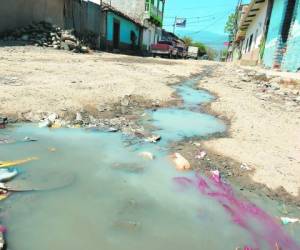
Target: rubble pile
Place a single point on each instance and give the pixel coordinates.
(45, 34)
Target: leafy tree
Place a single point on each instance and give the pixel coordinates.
(230, 26)
(187, 40)
(203, 49)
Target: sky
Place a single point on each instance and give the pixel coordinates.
(205, 19)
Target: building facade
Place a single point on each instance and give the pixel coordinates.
(119, 32)
(149, 13)
(251, 32)
(282, 47)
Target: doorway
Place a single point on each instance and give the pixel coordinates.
(288, 19)
(116, 34)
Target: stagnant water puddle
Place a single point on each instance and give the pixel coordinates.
(118, 200)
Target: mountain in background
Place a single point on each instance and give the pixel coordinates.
(210, 39)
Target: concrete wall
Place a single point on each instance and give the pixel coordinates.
(19, 13)
(256, 28)
(125, 28)
(291, 59)
(151, 35)
(133, 8)
(273, 36)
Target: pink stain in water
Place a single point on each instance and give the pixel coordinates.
(262, 227)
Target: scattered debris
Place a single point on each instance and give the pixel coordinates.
(44, 34)
(246, 167)
(147, 155)
(201, 155)
(28, 139)
(215, 175)
(7, 175)
(6, 164)
(180, 162)
(153, 138)
(197, 144)
(287, 220)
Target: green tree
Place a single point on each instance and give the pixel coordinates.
(187, 40)
(230, 26)
(201, 47)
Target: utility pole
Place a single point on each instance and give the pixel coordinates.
(174, 26)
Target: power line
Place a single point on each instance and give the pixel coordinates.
(208, 26)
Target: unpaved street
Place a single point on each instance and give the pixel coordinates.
(36, 79)
(264, 131)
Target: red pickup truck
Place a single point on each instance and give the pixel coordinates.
(164, 49)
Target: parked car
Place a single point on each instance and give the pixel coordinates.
(193, 52)
(164, 49)
(182, 52)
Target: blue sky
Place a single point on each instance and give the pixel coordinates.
(205, 19)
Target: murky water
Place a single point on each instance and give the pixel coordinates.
(118, 200)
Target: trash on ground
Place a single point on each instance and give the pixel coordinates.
(180, 162)
(6, 164)
(28, 139)
(147, 155)
(153, 138)
(201, 155)
(3, 122)
(215, 175)
(287, 220)
(245, 166)
(7, 175)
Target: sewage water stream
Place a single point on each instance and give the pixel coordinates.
(119, 200)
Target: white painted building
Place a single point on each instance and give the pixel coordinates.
(251, 31)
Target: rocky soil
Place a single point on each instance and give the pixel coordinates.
(44, 34)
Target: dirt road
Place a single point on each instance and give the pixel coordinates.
(36, 79)
(264, 115)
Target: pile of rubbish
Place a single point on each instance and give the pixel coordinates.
(45, 34)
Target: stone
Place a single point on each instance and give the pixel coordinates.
(78, 117)
(275, 86)
(180, 162)
(52, 117)
(260, 76)
(153, 138)
(71, 45)
(45, 123)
